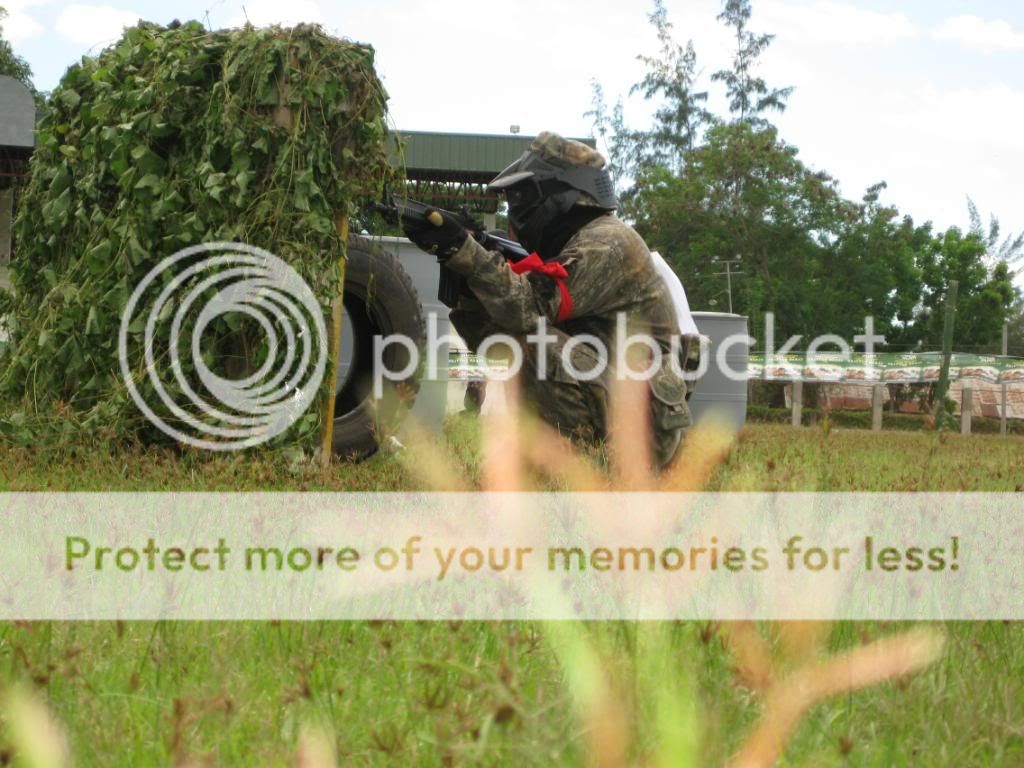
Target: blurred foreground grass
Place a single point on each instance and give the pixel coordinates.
(441, 693)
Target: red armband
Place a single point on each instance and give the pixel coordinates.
(554, 270)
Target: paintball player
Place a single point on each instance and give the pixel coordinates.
(586, 268)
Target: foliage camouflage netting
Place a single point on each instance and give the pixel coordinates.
(171, 138)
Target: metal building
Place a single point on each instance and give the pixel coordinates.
(451, 170)
(17, 140)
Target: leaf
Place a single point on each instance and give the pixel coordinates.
(149, 181)
(136, 253)
(70, 98)
(61, 205)
(97, 258)
(233, 320)
(92, 322)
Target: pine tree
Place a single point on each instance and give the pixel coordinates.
(672, 76)
(749, 96)
(624, 147)
(1010, 250)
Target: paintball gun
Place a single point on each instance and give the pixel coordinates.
(451, 285)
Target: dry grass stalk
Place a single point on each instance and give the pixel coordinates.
(752, 653)
(316, 748)
(629, 448)
(513, 442)
(789, 700)
(801, 639)
(428, 464)
(502, 462)
(36, 737)
(554, 456)
(706, 446)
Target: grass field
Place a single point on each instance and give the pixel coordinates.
(441, 693)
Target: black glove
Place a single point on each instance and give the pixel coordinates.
(442, 239)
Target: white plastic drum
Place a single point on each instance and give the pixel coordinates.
(723, 395)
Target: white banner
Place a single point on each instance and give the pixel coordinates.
(628, 556)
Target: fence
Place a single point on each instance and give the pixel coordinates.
(981, 385)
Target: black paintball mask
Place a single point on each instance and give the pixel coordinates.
(540, 192)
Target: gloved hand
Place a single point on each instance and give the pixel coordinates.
(438, 234)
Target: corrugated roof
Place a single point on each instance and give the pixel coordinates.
(462, 154)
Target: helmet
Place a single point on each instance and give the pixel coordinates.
(552, 176)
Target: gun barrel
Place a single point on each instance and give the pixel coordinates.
(510, 249)
(451, 285)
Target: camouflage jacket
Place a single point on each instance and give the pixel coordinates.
(610, 271)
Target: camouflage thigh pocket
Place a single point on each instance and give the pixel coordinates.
(669, 410)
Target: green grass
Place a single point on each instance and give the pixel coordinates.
(440, 693)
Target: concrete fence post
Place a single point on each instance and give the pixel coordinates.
(966, 407)
(876, 408)
(798, 402)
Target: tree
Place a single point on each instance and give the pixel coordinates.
(749, 96)
(672, 77)
(985, 294)
(704, 190)
(1010, 250)
(869, 267)
(623, 146)
(743, 192)
(1015, 337)
(11, 64)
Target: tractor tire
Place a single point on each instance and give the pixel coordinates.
(379, 300)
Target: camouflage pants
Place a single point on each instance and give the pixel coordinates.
(580, 409)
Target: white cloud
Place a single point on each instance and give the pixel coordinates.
(977, 33)
(506, 80)
(262, 13)
(833, 23)
(926, 140)
(19, 26)
(94, 25)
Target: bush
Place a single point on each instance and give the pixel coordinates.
(174, 137)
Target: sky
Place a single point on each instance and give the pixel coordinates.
(927, 95)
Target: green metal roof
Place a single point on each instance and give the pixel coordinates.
(461, 156)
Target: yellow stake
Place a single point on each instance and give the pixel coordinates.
(333, 349)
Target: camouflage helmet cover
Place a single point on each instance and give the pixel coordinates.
(551, 156)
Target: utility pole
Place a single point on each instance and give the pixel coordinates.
(1006, 351)
(947, 354)
(728, 275)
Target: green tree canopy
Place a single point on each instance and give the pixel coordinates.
(703, 189)
(984, 298)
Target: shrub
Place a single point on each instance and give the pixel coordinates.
(170, 138)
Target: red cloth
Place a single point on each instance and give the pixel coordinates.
(554, 270)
